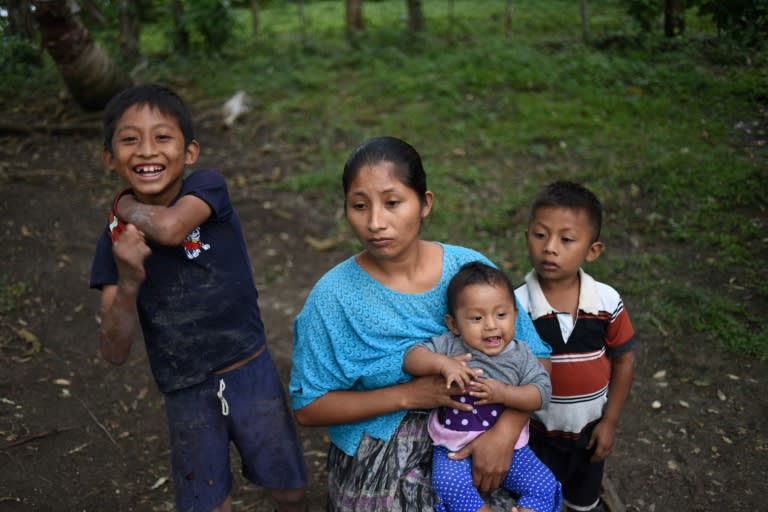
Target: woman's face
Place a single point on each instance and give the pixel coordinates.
(384, 213)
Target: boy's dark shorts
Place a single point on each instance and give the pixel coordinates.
(581, 479)
(258, 422)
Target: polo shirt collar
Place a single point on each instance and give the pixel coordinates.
(539, 306)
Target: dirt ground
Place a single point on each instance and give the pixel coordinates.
(77, 434)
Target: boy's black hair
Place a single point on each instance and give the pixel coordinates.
(476, 272)
(153, 96)
(567, 194)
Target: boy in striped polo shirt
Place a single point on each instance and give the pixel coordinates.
(592, 340)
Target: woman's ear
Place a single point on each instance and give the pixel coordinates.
(426, 206)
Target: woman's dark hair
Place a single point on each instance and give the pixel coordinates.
(476, 272)
(567, 194)
(407, 162)
(154, 96)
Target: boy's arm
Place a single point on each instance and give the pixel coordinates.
(118, 302)
(166, 225)
(622, 374)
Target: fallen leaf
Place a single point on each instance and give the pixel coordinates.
(656, 404)
(25, 232)
(77, 449)
(62, 382)
(683, 403)
(660, 374)
(721, 395)
(159, 483)
(33, 340)
(672, 465)
(727, 440)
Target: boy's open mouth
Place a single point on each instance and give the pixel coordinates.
(147, 170)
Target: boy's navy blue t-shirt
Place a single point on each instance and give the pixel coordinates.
(198, 306)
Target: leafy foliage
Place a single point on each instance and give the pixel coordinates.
(672, 137)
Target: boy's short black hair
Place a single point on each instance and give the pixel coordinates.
(567, 194)
(476, 272)
(151, 95)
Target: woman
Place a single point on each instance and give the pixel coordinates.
(352, 334)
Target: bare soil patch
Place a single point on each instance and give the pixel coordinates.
(77, 434)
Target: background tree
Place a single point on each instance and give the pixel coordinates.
(255, 17)
(415, 15)
(21, 23)
(90, 75)
(354, 11)
(130, 15)
(180, 33)
(584, 13)
(674, 17)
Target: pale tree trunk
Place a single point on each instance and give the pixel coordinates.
(584, 12)
(90, 75)
(415, 15)
(130, 14)
(674, 17)
(354, 9)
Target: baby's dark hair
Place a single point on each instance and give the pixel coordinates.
(567, 194)
(476, 272)
(153, 96)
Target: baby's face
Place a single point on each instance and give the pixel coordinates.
(485, 317)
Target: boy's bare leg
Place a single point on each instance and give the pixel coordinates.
(226, 505)
(290, 500)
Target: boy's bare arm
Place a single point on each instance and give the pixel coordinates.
(166, 225)
(622, 374)
(604, 434)
(118, 302)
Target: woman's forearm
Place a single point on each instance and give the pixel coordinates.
(338, 407)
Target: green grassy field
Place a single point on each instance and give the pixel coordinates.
(671, 134)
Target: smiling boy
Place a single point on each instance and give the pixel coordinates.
(174, 255)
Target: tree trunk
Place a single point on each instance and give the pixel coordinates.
(584, 12)
(90, 75)
(415, 15)
(129, 30)
(20, 20)
(354, 16)
(180, 34)
(674, 17)
(254, 18)
(508, 18)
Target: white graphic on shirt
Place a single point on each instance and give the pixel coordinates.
(193, 246)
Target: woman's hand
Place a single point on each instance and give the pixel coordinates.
(492, 451)
(431, 392)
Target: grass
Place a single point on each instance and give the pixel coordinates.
(11, 293)
(669, 133)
